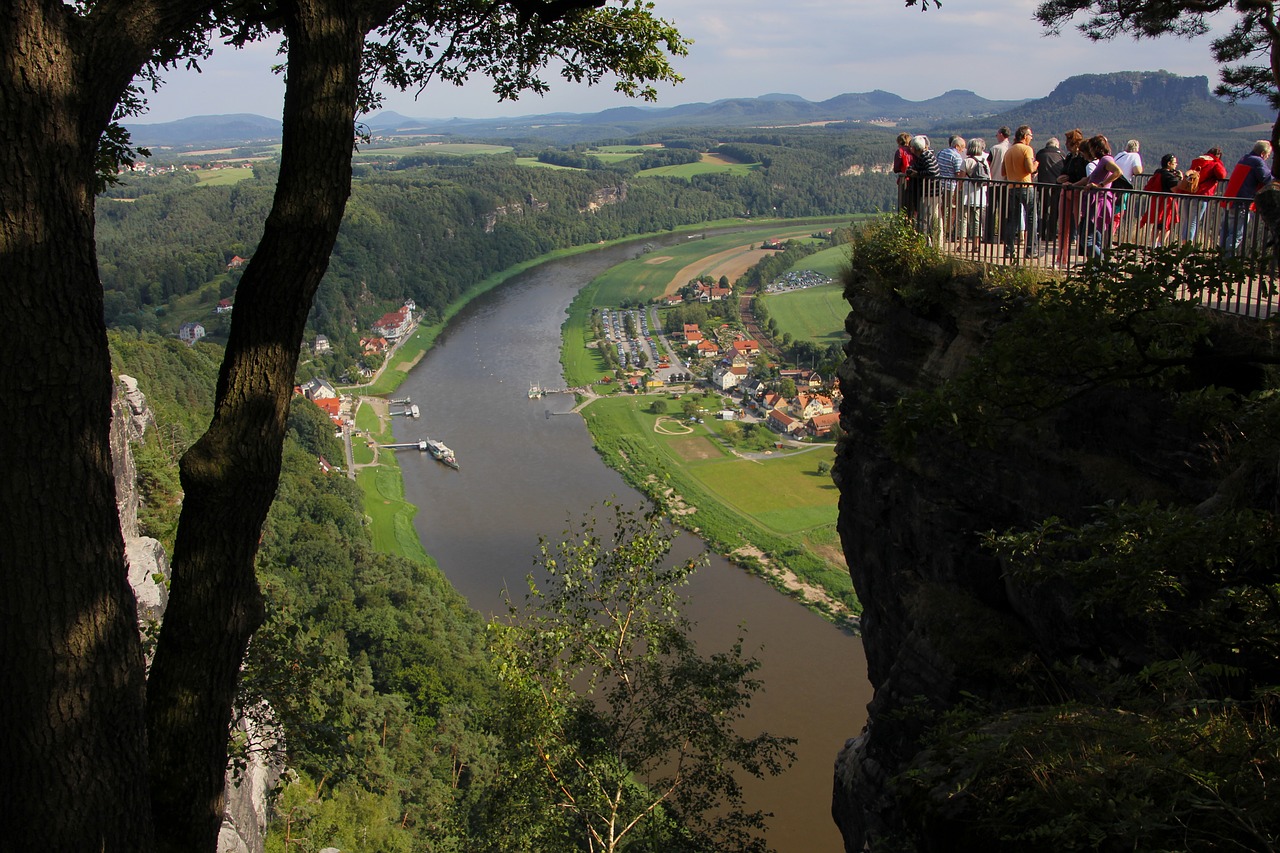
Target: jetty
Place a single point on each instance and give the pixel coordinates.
(438, 449)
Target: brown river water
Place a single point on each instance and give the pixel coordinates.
(525, 473)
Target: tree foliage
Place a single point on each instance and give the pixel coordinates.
(630, 728)
(1145, 717)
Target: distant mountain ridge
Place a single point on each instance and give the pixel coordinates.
(1120, 102)
(223, 130)
(776, 109)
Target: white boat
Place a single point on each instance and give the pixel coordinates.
(441, 452)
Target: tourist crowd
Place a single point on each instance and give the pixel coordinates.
(1076, 198)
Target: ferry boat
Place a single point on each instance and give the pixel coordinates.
(442, 453)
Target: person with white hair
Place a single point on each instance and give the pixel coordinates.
(927, 178)
(976, 174)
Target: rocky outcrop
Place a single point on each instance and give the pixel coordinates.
(148, 562)
(605, 196)
(940, 618)
(244, 823)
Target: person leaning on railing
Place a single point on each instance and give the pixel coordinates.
(1249, 176)
(1020, 167)
(1051, 160)
(925, 176)
(1209, 172)
(1100, 201)
(975, 173)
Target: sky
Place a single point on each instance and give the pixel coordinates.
(816, 49)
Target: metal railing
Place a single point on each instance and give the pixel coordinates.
(1054, 227)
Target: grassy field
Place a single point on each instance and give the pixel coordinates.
(390, 516)
(535, 163)
(780, 507)
(646, 277)
(814, 314)
(709, 164)
(831, 262)
(222, 177)
(461, 149)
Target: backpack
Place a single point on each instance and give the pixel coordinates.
(1190, 182)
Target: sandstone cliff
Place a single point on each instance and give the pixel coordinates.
(245, 821)
(940, 619)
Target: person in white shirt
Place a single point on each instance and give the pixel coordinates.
(1130, 163)
(996, 206)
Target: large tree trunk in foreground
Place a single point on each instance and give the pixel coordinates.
(73, 766)
(230, 475)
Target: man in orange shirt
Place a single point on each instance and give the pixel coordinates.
(1019, 167)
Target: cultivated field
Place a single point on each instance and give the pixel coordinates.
(656, 274)
(461, 149)
(709, 164)
(222, 177)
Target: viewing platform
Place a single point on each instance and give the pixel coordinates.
(1072, 225)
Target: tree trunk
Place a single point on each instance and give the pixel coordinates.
(230, 475)
(71, 669)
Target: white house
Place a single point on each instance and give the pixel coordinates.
(190, 333)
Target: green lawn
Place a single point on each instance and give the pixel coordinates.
(830, 262)
(461, 149)
(608, 156)
(814, 314)
(535, 163)
(780, 505)
(785, 493)
(223, 177)
(689, 170)
(390, 517)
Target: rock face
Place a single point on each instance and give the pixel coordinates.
(148, 562)
(244, 823)
(938, 610)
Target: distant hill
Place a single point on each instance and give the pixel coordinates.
(1154, 104)
(772, 110)
(207, 131)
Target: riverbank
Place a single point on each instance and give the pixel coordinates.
(768, 553)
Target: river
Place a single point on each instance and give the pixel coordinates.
(525, 473)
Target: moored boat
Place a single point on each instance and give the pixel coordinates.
(441, 452)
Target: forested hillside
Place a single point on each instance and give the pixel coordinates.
(403, 722)
(428, 226)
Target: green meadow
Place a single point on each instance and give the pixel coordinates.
(460, 149)
(815, 314)
(779, 505)
(390, 516)
(222, 177)
(706, 166)
(535, 163)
